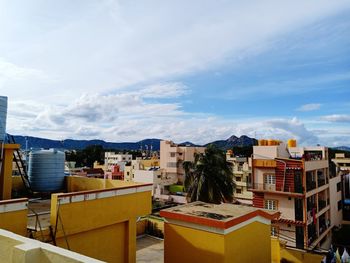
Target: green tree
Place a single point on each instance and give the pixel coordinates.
(209, 178)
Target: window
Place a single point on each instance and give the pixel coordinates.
(271, 204)
(338, 186)
(274, 231)
(238, 191)
(127, 173)
(238, 179)
(270, 179)
(172, 154)
(339, 205)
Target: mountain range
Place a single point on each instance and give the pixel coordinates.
(70, 144)
(146, 144)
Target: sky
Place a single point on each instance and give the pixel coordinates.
(194, 71)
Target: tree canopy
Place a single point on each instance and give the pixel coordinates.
(209, 178)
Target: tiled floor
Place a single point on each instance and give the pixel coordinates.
(149, 249)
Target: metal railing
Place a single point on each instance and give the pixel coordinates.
(275, 188)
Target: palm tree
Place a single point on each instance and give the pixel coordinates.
(209, 178)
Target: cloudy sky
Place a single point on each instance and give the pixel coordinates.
(182, 70)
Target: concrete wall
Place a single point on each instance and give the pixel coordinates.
(184, 244)
(18, 249)
(13, 216)
(285, 206)
(238, 244)
(279, 252)
(100, 223)
(334, 197)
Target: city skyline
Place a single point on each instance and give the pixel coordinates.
(198, 71)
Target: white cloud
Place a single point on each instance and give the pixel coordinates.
(309, 107)
(337, 118)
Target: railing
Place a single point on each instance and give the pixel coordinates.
(273, 188)
(321, 204)
(321, 182)
(310, 185)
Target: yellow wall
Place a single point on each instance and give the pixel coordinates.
(183, 244)
(13, 216)
(6, 171)
(79, 183)
(17, 249)
(279, 252)
(103, 228)
(239, 244)
(15, 221)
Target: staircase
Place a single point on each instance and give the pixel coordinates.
(17, 157)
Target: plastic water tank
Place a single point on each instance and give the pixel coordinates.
(46, 170)
(3, 115)
(292, 143)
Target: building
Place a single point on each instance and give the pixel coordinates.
(296, 182)
(343, 171)
(172, 156)
(112, 158)
(93, 217)
(242, 172)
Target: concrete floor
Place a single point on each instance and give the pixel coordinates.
(149, 249)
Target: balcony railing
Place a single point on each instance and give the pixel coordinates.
(274, 188)
(321, 204)
(310, 185)
(321, 182)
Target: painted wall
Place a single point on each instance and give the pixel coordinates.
(334, 197)
(238, 244)
(13, 215)
(183, 244)
(6, 171)
(100, 223)
(279, 252)
(18, 249)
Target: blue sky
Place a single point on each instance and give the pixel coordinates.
(187, 71)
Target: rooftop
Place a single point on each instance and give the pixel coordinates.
(216, 215)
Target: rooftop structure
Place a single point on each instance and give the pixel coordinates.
(295, 181)
(217, 233)
(92, 217)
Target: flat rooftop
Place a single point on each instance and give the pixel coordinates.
(216, 215)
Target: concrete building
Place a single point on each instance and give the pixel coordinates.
(112, 158)
(242, 172)
(343, 172)
(296, 182)
(93, 217)
(172, 156)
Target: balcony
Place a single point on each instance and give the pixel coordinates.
(310, 185)
(321, 204)
(273, 188)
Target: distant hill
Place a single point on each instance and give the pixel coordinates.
(234, 141)
(342, 148)
(69, 144)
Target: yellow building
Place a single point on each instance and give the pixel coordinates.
(93, 217)
(217, 233)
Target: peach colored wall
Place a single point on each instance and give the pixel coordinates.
(285, 206)
(334, 197)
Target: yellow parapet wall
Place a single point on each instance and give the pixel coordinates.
(100, 223)
(280, 252)
(18, 249)
(13, 215)
(79, 183)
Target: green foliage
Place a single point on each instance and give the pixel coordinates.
(209, 178)
(176, 188)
